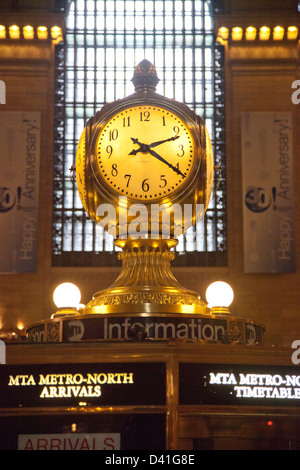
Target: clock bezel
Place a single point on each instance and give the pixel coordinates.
(83, 186)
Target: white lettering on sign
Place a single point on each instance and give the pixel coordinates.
(74, 441)
(192, 329)
(71, 385)
(259, 385)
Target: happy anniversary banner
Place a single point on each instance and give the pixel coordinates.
(268, 198)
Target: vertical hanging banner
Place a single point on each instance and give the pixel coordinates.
(268, 198)
(19, 190)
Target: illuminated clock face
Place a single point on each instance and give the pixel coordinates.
(145, 152)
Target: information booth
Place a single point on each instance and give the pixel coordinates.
(162, 395)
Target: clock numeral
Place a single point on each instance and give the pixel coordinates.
(145, 185)
(176, 130)
(113, 135)
(164, 120)
(163, 180)
(145, 116)
(181, 153)
(114, 171)
(128, 179)
(109, 150)
(126, 121)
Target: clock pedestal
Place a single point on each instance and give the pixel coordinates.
(146, 283)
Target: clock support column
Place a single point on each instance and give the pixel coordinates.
(146, 283)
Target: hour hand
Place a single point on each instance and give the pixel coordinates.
(143, 147)
(134, 152)
(135, 141)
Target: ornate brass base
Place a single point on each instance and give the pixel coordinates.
(146, 283)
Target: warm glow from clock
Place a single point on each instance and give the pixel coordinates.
(145, 153)
(80, 170)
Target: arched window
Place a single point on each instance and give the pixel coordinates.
(105, 40)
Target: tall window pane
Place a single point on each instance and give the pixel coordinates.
(105, 40)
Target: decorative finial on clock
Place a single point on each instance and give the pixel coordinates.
(145, 76)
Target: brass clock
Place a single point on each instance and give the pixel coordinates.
(147, 148)
(141, 151)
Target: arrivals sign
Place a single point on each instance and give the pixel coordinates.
(78, 441)
(268, 198)
(211, 384)
(19, 190)
(82, 384)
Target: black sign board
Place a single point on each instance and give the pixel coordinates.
(211, 384)
(109, 327)
(47, 385)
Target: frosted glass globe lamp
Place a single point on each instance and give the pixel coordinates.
(219, 296)
(67, 298)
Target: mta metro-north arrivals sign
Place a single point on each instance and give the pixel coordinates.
(47, 385)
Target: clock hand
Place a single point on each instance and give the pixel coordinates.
(154, 144)
(143, 147)
(146, 149)
(135, 141)
(154, 154)
(134, 152)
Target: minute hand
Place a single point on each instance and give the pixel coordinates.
(154, 154)
(154, 144)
